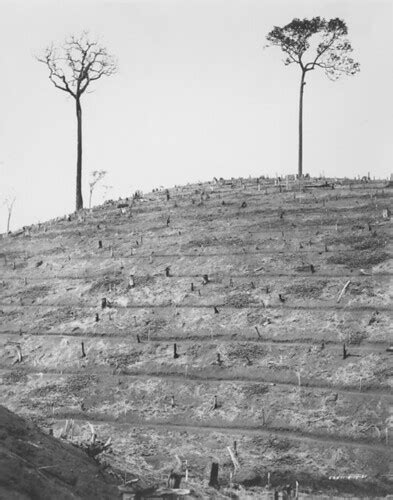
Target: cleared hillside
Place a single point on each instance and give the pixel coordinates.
(244, 277)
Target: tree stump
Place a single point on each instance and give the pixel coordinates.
(214, 475)
(174, 480)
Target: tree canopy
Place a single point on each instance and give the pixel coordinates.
(333, 50)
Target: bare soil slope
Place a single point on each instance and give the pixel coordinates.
(184, 321)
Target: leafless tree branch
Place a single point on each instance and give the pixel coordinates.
(77, 63)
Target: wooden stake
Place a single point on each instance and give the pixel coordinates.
(235, 462)
(343, 290)
(131, 283)
(83, 350)
(19, 353)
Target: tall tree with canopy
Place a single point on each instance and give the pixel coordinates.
(73, 66)
(331, 52)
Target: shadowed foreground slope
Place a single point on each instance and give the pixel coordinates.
(36, 466)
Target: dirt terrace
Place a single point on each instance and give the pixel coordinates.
(175, 363)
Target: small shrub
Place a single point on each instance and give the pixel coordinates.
(359, 259)
(310, 289)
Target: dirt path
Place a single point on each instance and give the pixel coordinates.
(227, 429)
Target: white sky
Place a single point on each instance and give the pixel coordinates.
(196, 96)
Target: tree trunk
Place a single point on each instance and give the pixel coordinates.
(9, 220)
(79, 199)
(300, 162)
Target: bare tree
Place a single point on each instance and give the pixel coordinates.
(96, 177)
(73, 66)
(9, 203)
(332, 54)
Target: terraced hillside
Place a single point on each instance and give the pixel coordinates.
(239, 314)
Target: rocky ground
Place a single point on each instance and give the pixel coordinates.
(216, 318)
